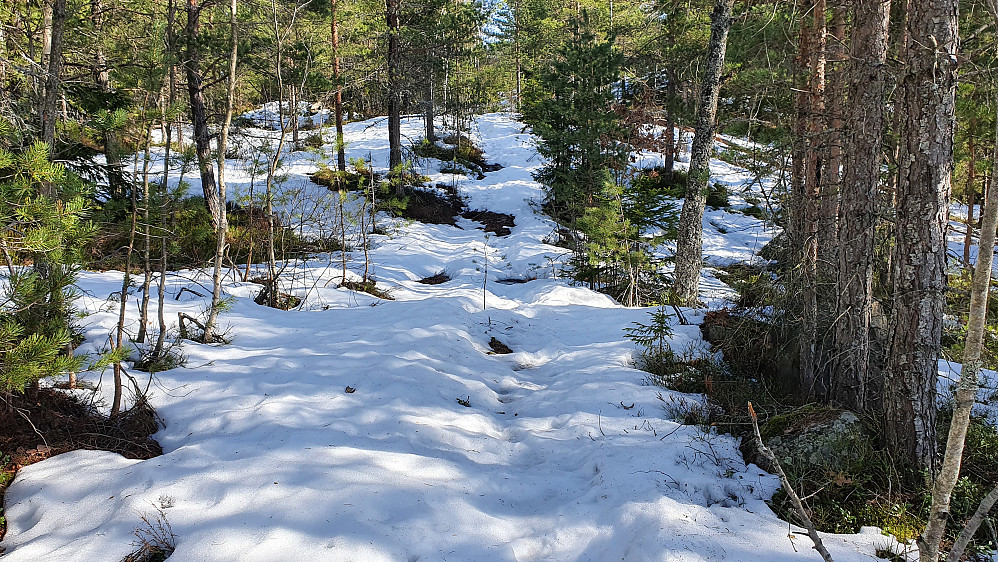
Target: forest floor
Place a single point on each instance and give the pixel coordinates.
(357, 428)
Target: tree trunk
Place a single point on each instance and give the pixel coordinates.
(809, 200)
(102, 79)
(146, 234)
(942, 489)
(827, 232)
(430, 134)
(164, 191)
(199, 116)
(341, 159)
(670, 126)
(689, 247)
(223, 143)
(918, 271)
(293, 98)
(394, 95)
(969, 191)
(50, 102)
(860, 184)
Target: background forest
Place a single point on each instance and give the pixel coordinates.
(864, 124)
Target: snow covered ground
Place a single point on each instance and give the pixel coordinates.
(558, 451)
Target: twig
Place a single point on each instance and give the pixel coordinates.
(181, 291)
(679, 314)
(21, 413)
(811, 531)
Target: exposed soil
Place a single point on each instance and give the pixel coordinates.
(499, 348)
(436, 279)
(432, 207)
(282, 301)
(516, 280)
(370, 287)
(64, 424)
(497, 223)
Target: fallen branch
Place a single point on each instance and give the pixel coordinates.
(191, 291)
(794, 498)
(182, 318)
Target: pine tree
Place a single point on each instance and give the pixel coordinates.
(918, 273)
(36, 329)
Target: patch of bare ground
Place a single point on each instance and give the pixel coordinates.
(48, 422)
(436, 279)
(496, 223)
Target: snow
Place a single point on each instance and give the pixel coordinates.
(564, 452)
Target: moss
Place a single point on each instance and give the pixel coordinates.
(466, 154)
(796, 420)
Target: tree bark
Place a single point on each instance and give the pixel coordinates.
(689, 247)
(428, 120)
(860, 184)
(969, 191)
(221, 230)
(199, 115)
(927, 102)
(670, 126)
(50, 102)
(394, 95)
(341, 159)
(807, 261)
(102, 79)
(831, 179)
(966, 391)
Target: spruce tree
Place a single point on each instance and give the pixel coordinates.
(577, 125)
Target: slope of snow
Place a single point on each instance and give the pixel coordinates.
(562, 453)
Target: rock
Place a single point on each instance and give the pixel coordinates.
(820, 438)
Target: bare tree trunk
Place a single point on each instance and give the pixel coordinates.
(50, 103)
(970, 190)
(223, 143)
(102, 78)
(40, 85)
(813, 168)
(670, 126)
(918, 270)
(119, 336)
(164, 190)
(430, 133)
(294, 98)
(966, 391)
(689, 247)
(341, 159)
(273, 286)
(171, 50)
(860, 183)
(516, 54)
(146, 236)
(199, 116)
(826, 271)
(394, 95)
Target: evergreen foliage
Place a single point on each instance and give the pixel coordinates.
(576, 123)
(46, 231)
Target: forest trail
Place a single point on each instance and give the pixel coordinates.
(560, 452)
